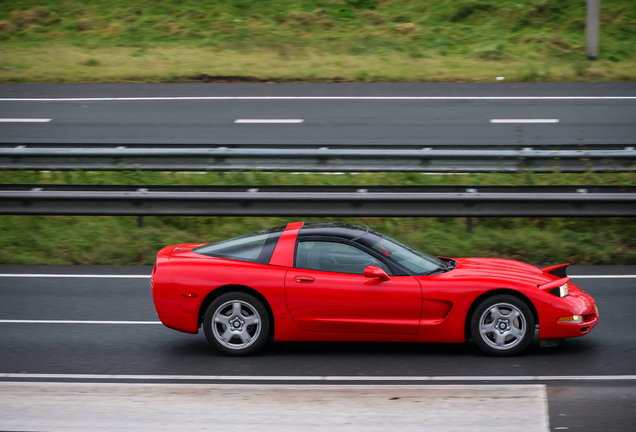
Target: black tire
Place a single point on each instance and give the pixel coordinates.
(234, 332)
(495, 333)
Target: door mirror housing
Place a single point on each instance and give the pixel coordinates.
(376, 272)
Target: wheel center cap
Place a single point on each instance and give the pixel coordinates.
(236, 323)
(502, 325)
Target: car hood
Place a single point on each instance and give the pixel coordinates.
(496, 268)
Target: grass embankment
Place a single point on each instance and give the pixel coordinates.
(311, 40)
(117, 240)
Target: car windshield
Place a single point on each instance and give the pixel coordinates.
(413, 259)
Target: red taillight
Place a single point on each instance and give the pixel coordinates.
(190, 295)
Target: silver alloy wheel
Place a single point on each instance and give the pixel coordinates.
(236, 324)
(502, 326)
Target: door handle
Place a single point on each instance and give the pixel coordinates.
(304, 279)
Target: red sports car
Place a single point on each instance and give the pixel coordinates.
(342, 282)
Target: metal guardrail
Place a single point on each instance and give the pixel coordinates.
(325, 159)
(315, 201)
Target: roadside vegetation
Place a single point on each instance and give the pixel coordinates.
(317, 41)
(119, 241)
(311, 40)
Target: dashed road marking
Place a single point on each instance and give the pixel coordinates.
(269, 121)
(517, 121)
(25, 120)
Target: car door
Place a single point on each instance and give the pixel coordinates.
(326, 291)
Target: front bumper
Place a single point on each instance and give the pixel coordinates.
(577, 303)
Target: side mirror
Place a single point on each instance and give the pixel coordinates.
(376, 272)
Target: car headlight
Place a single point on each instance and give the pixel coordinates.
(561, 291)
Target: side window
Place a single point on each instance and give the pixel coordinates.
(334, 257)
(255, 247)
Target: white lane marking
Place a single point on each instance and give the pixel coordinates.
(42, 275)
(169, 98)
(112, 276)
(523, 378)
(24, 120)
(270, 121)
(10, 321)
(516, 121)
(273, 407)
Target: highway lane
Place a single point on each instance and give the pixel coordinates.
(331, 114)
(151, 349)
(604, 351)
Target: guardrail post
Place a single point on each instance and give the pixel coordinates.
(592, 29)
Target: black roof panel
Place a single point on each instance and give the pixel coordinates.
(337, 229)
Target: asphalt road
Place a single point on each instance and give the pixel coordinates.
(580, 403)
(327, 114)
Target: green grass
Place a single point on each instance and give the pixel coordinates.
(260, 178)
(118, 240)
(312, 40)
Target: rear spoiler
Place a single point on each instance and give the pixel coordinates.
(559, 270)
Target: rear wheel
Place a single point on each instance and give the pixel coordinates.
(502, 325)
(236, 324)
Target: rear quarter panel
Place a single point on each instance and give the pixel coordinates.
(188, 272)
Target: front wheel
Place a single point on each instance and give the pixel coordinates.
(502, 325)
(236, 324)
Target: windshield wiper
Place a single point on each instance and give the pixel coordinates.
(441, 268)
(444, 267)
